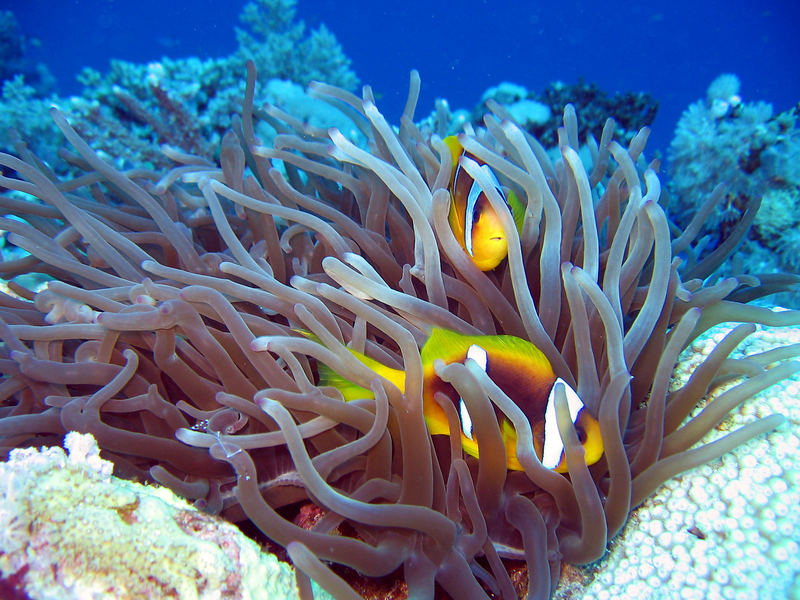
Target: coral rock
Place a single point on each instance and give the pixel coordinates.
(71, 530)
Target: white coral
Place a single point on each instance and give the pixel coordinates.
(729, 529)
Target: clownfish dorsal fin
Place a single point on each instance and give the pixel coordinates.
(455, 148)
(444, 344)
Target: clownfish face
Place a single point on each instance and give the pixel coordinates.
(474, 222)
(487, 241)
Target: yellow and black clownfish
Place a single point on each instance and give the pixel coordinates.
(474, 222)
(518, 367)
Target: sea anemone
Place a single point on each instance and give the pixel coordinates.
(172, 330)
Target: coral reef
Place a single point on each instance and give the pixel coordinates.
(539, 113)
(541, 109)
(27, 91)
(187, 103)
(526, 112)
(173, 332)
(754, 153)
(278, 45)
(14, 61)
(72, 531)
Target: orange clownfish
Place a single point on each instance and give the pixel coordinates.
(518, 367)
(474, 222)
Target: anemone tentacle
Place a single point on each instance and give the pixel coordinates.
(171, 331)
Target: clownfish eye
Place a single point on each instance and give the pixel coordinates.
(581, 434)
(476, 212)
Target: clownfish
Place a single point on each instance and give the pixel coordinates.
(518, 367)
(474, 222)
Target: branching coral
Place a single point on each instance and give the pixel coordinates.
(178, 296)
(127, 112)
(752, 151)
(14, 60)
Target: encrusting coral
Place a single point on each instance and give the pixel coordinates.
(170, 332)
(71, 530)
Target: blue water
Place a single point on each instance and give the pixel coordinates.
(672, 50)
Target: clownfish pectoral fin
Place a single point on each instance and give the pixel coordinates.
(510, 441)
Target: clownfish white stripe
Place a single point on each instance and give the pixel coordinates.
(466, 420)
(553, 447)
(480, 356)
(475, 191)
(469, 215)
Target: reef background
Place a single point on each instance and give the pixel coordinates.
(671, 51)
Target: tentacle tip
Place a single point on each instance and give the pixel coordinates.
(265, 403)
(352, 257)
(182, 434)
(260, 344)
(778, 420)
(18, 355)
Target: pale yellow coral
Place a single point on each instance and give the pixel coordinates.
(74, 531)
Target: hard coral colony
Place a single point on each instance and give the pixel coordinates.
(177, 300)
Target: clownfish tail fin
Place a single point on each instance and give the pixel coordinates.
(350, 391)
